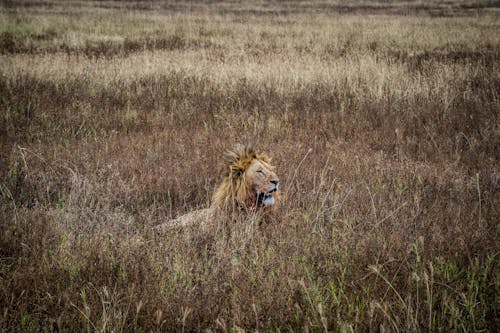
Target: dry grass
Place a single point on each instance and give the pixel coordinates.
(382, 119)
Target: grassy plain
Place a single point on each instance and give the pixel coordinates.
(381, 117)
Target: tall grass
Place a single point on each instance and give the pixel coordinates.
(382, 120)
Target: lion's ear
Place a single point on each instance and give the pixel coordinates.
(264, 157)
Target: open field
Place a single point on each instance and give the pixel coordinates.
(382, 119)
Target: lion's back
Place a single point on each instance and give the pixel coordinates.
(194, 218)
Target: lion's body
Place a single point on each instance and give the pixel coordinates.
(200, 217)
(249, 185)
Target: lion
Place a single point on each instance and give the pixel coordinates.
(249, 185)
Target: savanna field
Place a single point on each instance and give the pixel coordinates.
(381, 117)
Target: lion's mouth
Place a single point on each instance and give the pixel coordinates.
(266, 199)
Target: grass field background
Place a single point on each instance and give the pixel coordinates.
(382, 119)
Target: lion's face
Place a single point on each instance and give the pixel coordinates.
(262, 183)
(251, 181)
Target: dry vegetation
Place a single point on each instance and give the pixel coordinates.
(383, 121)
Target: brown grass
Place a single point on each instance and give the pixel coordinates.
(382, 120)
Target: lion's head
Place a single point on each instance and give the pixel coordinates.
(250, 182)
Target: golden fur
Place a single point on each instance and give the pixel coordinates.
(250, 183)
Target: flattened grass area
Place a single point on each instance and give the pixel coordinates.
(381, 117)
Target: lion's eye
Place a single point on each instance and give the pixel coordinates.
(260, 172)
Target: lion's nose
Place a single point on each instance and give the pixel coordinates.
(275, 181)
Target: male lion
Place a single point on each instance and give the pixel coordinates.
(249, 185)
